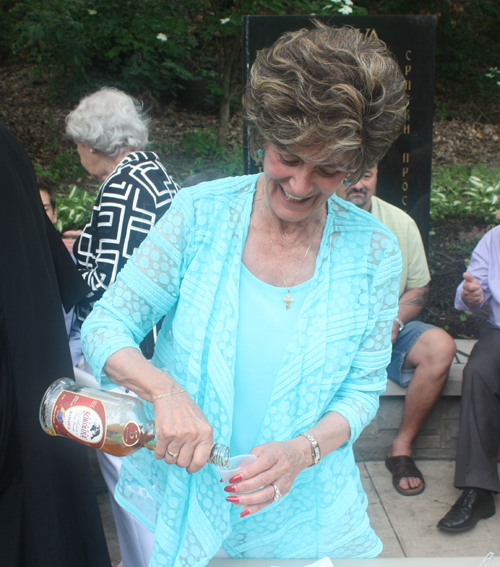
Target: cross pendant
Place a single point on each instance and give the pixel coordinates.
(288, 299)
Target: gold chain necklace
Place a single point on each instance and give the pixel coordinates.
(288, 299)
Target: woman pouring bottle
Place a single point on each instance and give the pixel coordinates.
(280, 300)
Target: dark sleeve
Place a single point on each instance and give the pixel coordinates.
(72, 288)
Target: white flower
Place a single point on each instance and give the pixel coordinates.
(336, 1)
(346, 10)
(225, 20)
(92, 12)
(348, 2)
(162, 37)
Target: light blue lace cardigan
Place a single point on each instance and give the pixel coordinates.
(189, 267)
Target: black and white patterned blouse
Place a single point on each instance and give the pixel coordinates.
(130, 201)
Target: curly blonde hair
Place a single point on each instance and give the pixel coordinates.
(330, 89)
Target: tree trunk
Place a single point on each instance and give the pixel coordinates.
(231, 51)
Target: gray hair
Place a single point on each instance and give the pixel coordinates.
(108, 120)
(331, 89)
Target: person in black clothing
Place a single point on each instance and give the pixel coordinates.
(48, 509)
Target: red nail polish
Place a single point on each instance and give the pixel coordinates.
(236, 478)
(234, 499)
(245, 512)
(230, 488)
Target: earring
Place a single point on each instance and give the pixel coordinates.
(92, 150)
(346, 181)
(260, 152)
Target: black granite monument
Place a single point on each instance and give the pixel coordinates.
(405, 173)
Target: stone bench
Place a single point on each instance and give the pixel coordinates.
(437, 438)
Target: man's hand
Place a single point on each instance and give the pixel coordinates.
(472, 293)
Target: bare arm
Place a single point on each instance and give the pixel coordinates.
(128, 368)
(181, 425)
(331, 432)
(410, 305)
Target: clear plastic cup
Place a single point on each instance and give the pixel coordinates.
(237, 463)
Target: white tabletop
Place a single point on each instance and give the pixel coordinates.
(377, 562)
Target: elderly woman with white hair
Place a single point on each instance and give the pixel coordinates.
(111, 132)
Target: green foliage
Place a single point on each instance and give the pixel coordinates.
(159, 45)
(466, 39)
(140, 45)
(492, 80)
(205, 152)
(74, 209)
(66, 167)
(133, 44)
(6, 25)
(344, 8)
(457, 192)
(442, 110)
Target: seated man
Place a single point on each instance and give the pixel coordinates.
(421, 354)
(479, 430)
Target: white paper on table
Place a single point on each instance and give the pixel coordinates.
(325, 562)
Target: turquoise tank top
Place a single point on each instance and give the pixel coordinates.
(265, 328)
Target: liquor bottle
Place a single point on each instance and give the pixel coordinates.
(108, 421)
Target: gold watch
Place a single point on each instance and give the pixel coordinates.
(315, 450)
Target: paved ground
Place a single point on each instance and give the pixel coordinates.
(406, 525)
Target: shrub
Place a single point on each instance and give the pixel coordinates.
(74, 209)
(456, 192)
(66, 167)
(87, 43)
(202, 146)
(467, 43)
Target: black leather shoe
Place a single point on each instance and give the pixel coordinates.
(474, 505)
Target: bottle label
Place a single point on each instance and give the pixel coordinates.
(131, 433)
(80, 418)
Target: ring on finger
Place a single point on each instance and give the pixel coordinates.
(173, 455)
(277, 493)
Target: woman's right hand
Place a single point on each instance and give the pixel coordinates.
(181, 426)
(183, 431)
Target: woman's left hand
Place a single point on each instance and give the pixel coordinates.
(277, 465)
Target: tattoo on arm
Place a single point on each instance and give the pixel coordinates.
(418, 298)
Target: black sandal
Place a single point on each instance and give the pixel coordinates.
(404, 466)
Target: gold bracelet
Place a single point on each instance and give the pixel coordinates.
(315, 450)
(165, 395)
